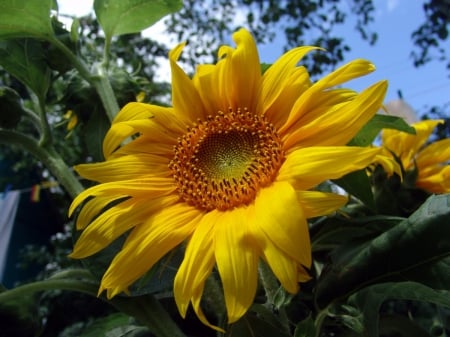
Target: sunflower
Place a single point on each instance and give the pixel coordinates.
(429, 164)
(229, 170)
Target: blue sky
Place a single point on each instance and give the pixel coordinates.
(395, 21)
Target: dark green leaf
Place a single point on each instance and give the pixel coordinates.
(25, 60)
(369, 132)
(370, 299)
(358, 184)
(251, 325)
(19, 317)
(408, 249)
(339, 230)
(265, 66)
(305, 328)
(95, 131)
(118, 17)
(26, 18)
(114, 325)
(11, 109)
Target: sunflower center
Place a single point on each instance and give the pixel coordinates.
(223, 161)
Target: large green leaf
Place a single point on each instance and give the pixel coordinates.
(252, 325)
(114, 325)
(25, 18)
(358, 184)
(369, 132)
(25, 60)
(339, 230)
(305, 328)
(119, 17)
(370, 299)
(415, 246)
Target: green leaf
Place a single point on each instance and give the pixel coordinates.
(252, 325)
(25, 18)
(305, 328)
(369, 132)
(114, 325)
(358, 184)
(118, 17)
(264, 67)
(22, 315)
(282, 298)
(339, 230)
(405, 251)
(94, 132)
(11, 109)
(370, 299)
(25, 60)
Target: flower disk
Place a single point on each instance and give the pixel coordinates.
(221, 163)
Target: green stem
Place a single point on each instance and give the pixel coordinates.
(35, 120)
(49, 157)
(271, 287)
(106, 93)
(319, 321)
(46, 135)
(99, 81)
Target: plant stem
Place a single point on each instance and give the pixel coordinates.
(49, 157)
(99, 81)
(319, 321)
(106, 93)
(46, 135)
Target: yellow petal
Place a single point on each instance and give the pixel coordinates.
(405, 145)
(316, 203)
(439, 182)
(237, 262)
(147, 244)
(279, 216)
(337, 126)
(115, 221)
(125, 168)
(149, 187)
(245, 72)
(197, 263)
(278, 110)
(283, 266)
(185, 97)
(136, 117)
(435, 153)
(278, 77)
(307, 167)
(311, 97)
(133, 111)
(91, 208)
(145, 144)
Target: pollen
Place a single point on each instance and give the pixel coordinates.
(223, 161)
